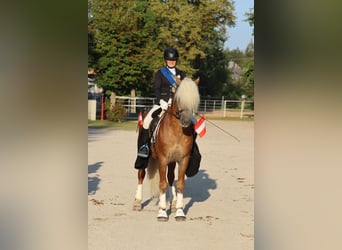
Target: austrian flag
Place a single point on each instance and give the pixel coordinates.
(200, 127)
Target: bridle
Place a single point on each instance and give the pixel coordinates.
(178, 111)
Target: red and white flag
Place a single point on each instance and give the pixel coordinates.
(140, 120)
(200, 127)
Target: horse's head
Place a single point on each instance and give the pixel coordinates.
(186, 101)
(184, 116)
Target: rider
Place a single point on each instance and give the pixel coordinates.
(163, 91)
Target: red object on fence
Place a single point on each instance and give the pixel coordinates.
(102, 108)
(200, 127)
(140, 120)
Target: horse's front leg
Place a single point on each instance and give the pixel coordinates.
(180, 216)
(139, 192)
(171, 179)
(162, 215)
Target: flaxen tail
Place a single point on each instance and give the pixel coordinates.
(153, 176)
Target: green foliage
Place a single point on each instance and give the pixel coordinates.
(245, 84)
(234, 88)
(250, 19)
(114, 113)
(248, 75)
(121, 30)
(248, 71)
(127, 40)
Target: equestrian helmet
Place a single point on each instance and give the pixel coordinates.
(171, 54)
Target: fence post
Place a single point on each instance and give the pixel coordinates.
(224, 108)
(134, 102)
(102, 107)
(243, 97)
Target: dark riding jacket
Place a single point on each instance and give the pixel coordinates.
(162, 87)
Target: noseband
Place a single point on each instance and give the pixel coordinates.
(178, 115)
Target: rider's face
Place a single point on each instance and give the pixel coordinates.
(171, 63)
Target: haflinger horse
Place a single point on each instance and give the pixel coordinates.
(173, 144)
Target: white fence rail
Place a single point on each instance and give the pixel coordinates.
(227, 108)
(215, 107)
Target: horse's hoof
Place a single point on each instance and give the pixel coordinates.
(162, 219)
(180, 216)
(162, 215)
(137, 205)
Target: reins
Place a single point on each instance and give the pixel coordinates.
(169, 110)
(175, 114)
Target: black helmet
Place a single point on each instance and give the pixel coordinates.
(171, 54)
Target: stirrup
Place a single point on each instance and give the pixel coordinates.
(144, 151)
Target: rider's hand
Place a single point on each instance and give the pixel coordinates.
(178, 80)
(163, 104)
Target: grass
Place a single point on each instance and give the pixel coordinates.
(126, 125)
(220, 118)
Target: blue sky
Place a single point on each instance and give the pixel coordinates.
(240, 35)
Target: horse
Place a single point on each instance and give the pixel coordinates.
(173, 144)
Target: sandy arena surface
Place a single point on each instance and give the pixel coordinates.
(219, 200)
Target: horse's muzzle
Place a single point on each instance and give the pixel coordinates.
(185, 124)
(184, 118)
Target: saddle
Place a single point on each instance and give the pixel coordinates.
(153, 129)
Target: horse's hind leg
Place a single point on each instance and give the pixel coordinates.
(171, 179)
(139, 192)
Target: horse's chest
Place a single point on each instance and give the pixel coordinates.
(176, 153)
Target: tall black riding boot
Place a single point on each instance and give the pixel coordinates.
(143, 150)
(143, 143)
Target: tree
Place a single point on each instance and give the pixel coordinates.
(248, 70)
(122, 31)
(250, 19)
(248, 74)
(244, 85)
(130, 37)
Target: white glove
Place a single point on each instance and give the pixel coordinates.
(163, 104)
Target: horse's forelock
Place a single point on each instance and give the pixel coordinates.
(187, 94)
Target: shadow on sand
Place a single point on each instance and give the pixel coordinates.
(197, 188)
(93, 181)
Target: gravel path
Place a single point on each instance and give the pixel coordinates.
(219, 200)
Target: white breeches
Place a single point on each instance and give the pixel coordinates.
(148, 117)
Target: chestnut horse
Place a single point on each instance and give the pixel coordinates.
(173, 144)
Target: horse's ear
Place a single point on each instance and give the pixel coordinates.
(197, 80)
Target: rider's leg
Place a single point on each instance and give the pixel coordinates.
(143, 150)
(150, 115)
(143, 140)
